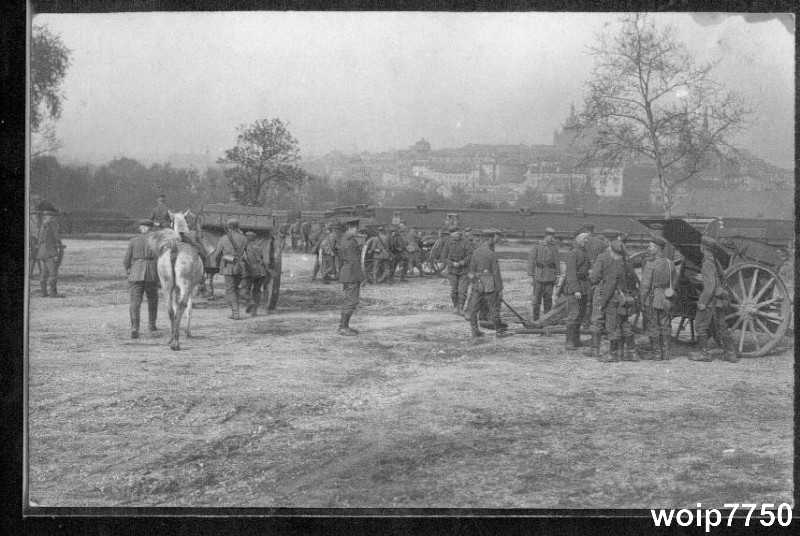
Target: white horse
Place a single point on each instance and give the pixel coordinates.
(180, 271)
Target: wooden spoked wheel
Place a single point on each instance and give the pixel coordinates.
(760, 309)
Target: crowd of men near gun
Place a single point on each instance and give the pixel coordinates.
(600, 285)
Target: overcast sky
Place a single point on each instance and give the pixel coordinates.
(156, 83)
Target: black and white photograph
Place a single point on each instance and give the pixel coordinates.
(411, 261)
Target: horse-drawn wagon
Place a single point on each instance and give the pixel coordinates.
(211, 226)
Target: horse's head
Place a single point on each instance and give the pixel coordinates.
(179, 224)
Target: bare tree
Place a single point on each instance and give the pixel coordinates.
(263, 158)
(648, 99)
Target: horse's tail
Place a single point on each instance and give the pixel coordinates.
(173, 257)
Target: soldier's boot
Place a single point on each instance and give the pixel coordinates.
(650, 352)
(43, 285)
(614, 352)
(134, 324)
(347, 323)
(152, 314)
(569, 343)
(343, 327)
(254, 309)
(702, 353)
(234, 309)
(473, 324)
(454, 300)
(664, 347)
(729, 347)
(576, 336)
(314, 272)
(594, 349)
(630, 349)
(461, 311)
(54, 289)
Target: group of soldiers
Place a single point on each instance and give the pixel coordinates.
(246, 267)
(600, 284)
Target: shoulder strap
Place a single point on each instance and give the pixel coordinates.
(239, 251)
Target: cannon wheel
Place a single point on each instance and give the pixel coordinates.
(760, 309)
(431, 266)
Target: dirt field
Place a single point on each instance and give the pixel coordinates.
(279, 411)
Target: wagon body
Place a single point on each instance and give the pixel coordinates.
(760, 307)
(211, 226)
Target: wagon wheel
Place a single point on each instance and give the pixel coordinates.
(760, 309)
(432, 264)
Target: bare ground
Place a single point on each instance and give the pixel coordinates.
(279, 411)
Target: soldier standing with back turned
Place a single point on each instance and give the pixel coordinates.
(657, 276)
(141, 265)
(259, 266)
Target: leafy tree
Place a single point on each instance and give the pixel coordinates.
(648, 100)
(50, 59)
(263, 158)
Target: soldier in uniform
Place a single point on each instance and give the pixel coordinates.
(141, 265)
(597, 273)
(487, 285)
(398, 244)
(457, 253)
(414, 251)
(295, 233)
(543, 267)
(710, 306)
(348, 260)
(49, 254)
(160, 214)
(617, 304)
(657, 276)
(378, 247)
(231, 251)
(595, 245)
(259, 264)
(577, 288)
(327, 247)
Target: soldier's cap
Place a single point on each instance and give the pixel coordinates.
(454, 230)
(579, 231)
(657, 226)
(708, 241)
(162, 197)
(657, 240)
(617, 247)
(146, 223)
(550, 231)
(588, 226)
(250, 234)
(233, 222)
(49, 213)
(611, 234)
(352, 223)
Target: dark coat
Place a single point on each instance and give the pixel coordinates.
(577, 270)
(256, 260)
(348, 260)
(485, 265)
(140, 261)
(543, 262)
(615, 284)
(49, 241)
(655, 279)
(226, 247)
(457, 252)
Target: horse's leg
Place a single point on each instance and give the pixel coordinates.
(189, 316)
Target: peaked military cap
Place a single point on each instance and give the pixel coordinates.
(454, 230)
(250, 234)
(49, 213)
(233, 222)
(589, 226)
(657, 240)
(550, 231)
(579, 231)
(708, 241)
(352, 223)
(611, 234)
(146, 223)
(162, 197)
